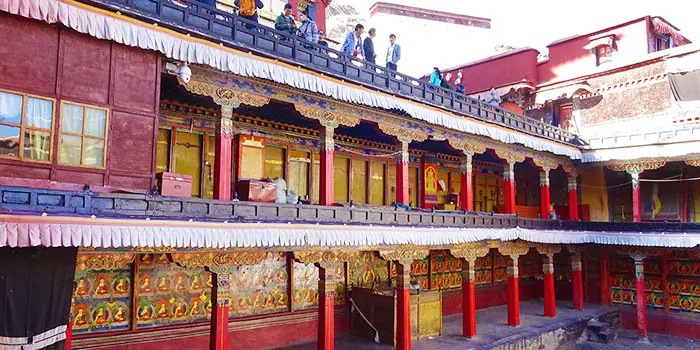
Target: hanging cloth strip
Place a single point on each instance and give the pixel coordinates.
(354, 307)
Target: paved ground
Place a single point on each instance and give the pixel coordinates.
(491, 328)
(628, 340)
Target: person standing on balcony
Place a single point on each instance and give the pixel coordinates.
(436, 77)
(322, 38)
(369, 46)
(353, 42)
(393, 54)
(248, 9)
(308, 29)
(493, 98)
(285, 21)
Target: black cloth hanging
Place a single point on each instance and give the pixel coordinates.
(36, 286)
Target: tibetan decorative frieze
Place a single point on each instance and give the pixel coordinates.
(327, 118)
(405, 257)
(104, 261)
(327, 258)
(470, 147)
(218, 262)
(636, 167)
(404, 135)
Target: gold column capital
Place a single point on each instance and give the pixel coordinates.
(469, 148)
(404, 257)
(327, 119)
(404, 135)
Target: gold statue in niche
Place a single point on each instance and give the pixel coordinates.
(120, 315)
(430, 179)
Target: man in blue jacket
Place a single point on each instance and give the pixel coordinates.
(353, 43)
(393, 54)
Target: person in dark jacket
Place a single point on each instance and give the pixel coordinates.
(369, 46)
(285, 21)
(322, 38)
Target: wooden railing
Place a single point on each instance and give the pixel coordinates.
(231, 30)
(20, 199)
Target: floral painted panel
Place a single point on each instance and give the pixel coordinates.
(102, 299)
(483, 270)
(500, 267)
(306, 285)
(260, 289)
(168, 294)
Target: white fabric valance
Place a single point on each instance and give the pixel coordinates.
(20, 231)
(109, 26)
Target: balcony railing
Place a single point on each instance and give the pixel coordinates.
(20, 199)
(234, 31)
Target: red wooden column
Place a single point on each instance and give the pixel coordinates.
(326, 307)
(402, 184)
(326, 196)
(221, 295)
(640, 300)
(509, 187)
(605, 277)
(573, 197)
(403, 304)
(223, 154)
(468, 299)
(636, 203)
(684, 201)
(550, 304)
(577, 280)
(513, 292)
(544, 193)
(466, 193)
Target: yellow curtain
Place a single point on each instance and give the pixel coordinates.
(188, 158)
(274, 162)
(315, 179)
(341, 179)
(390, 183)
(359, 181)
(413, 185)
(376, 187)
(299, 162)
(163, 150)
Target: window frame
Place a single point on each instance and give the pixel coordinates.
(22, 127)
(599, 58)
(83, 136)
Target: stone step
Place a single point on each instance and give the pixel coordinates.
(606, 337)
(598, 326)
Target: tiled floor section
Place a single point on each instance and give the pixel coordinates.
(491, 328)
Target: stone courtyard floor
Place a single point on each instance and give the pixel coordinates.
(492, 331)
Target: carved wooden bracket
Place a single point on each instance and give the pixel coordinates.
(469, 254)
(326, 259)
(548, 250)
(404, 257)
(545, 163)
(636, 168)
(514, 251)
(404, 135)
(693, 162)
(327, 119)
(219, 263)
(103, 261)
(468, 148)
(228, 99)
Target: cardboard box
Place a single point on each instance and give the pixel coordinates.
(174, 185)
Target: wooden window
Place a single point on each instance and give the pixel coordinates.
(83, 135)
(603, 54)
(26, 124)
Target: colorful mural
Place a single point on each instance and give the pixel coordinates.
(102, 297)
(369, 271)
(500, 268)
(306, 285)
(445, 271)
(260, 289)
(168, 294)
(419, 273)
(623, 289)
(683, 284)
(483, 270)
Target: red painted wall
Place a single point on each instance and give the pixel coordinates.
(688, 327)
(569, 59)
(56, 62)
(269, 332)
(505, 69)
(489, 296)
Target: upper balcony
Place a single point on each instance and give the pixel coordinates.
(195, 18)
